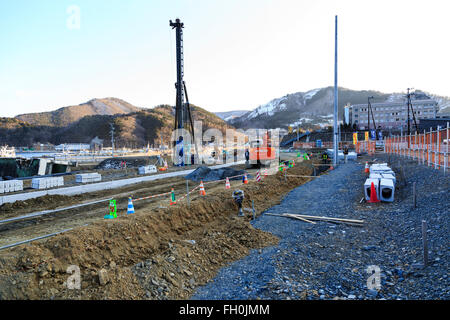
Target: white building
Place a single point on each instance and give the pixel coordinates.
(73, 147)
(392, 115)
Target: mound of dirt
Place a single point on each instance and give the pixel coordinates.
(153, 254)
(206, 174)
(132, 162)
(48, 202)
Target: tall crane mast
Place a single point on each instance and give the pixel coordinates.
(183, 117)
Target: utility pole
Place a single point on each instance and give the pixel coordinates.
(335, 116)
(112, 138)
(370, 111)
(409, 103)
(408, 100)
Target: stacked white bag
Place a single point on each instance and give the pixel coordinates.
(11, 186)
(48, 182)
(147, 169)
(88, 177)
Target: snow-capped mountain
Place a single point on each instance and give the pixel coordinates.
(229, 115)
(314, 108)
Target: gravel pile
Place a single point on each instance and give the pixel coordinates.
(330, 261)
(206, 174)
(114, 163)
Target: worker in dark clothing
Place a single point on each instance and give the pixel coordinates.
(247, 155)
(324, 157)
(345, 154)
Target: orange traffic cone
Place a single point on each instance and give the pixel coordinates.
(202, 189)
(227, 184)
(373, 194)
(245, 181)
(293, 163)
(366, 169)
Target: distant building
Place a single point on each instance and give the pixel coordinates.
(392, 115)
(96, 144)
(73, 147)
(427, 124)
(43, 146)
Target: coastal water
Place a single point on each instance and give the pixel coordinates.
(33, 154)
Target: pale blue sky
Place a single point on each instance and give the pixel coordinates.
(238, 53)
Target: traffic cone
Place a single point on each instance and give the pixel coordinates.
(373, 194)
(172, 197)
(366, 169)
(112, 210)
(202, 189)
(130, 209)
(227, 184)
(293, 163)
(244, 180)
(258, 176)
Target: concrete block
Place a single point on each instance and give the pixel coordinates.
(379, 168)
(375, 176)
(367, 187)
(387, 189)
(389, 176)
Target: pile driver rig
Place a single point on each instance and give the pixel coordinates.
(183, 116)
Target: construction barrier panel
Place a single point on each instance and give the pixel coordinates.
(428, 148)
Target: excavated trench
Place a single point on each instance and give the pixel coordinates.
(157, 253)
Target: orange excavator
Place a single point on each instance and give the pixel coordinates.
(261, 152)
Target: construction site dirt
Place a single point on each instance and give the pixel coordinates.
(185, 245)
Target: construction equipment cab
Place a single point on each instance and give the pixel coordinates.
(261, 153)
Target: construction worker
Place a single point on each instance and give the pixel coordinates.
(325, 157)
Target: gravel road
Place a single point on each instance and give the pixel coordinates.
(330, 261)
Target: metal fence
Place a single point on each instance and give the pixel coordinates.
(428, 148)
(366, 146)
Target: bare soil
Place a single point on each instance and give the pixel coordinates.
(156, 235)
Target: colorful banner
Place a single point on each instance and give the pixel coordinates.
(355, 138)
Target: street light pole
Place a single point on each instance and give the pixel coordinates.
(335, 116)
